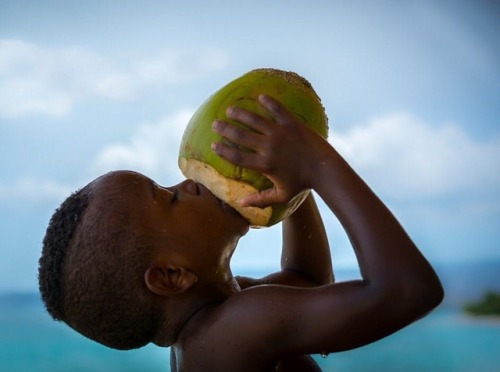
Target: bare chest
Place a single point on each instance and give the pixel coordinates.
(190, 361)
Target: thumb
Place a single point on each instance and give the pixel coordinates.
(261, 199)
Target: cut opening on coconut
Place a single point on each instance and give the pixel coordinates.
(226, 189)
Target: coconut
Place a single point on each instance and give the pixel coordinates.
(225, 180)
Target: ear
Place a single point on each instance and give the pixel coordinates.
(169, 280)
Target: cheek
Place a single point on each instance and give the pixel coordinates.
(216, 229)
(210, 224)
(201, 220)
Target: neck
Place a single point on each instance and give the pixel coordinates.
(184, 309)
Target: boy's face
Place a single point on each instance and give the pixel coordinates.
(185, 218)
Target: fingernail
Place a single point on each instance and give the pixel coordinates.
(242, 202)
(229, 111)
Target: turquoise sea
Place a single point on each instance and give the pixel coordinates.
(446, 340)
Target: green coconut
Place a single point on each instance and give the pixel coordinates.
(225, 180)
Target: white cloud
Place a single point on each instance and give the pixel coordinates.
(34, 80)
(399, 155)
(440, 182)
(403, 157)
(152, 150)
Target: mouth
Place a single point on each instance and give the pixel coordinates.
(225, 206)
(231, 211)
(205, 191)
(202, 190)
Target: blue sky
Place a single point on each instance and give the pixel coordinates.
(411, 88)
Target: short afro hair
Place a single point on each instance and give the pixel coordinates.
(91, 274)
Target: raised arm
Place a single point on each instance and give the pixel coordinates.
(305, 254)
(305, 245)
(398, 285)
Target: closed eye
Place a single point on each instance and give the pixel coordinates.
(175, 196)
(152, 187)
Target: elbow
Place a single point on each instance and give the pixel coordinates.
(435, 294)
(423, 294)
(406, 297)
(433, 291)
(412, 295)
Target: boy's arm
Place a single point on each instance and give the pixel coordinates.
(305, 245)
(398, 284)
(305, 255)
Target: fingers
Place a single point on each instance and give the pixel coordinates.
(240, 136)
(276, 109)
(241, 146)
(258, 123)
(264, 145)
(250, 119)
(237, 155)
(262, 199)
(255, 200)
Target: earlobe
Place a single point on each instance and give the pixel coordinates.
(168, 281)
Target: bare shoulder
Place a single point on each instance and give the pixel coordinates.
(261, 325)
(285, 277)
(220, 354)
(290, 320)
(239, 334)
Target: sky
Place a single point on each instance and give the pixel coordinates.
(411, 89)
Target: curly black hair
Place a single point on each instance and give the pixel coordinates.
(91, 273)
(57, 239)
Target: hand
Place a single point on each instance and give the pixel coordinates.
(283, 149)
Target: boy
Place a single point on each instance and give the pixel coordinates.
(127, 262)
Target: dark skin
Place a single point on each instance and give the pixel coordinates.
(222, 324)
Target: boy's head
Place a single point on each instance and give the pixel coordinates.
(119, 252)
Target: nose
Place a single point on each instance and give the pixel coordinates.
(190, 187)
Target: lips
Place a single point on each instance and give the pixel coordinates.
(230, 209)
(204, 191)
(196, 188)
(192, 187)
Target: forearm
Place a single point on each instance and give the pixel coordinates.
(305, 245)
(387, 257)
(386, 254)
(305, 258)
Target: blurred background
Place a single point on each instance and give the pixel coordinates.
(412, 92)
